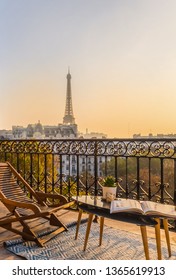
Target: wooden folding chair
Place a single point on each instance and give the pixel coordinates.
(26, 206)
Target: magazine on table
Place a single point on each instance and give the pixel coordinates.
(143, 207)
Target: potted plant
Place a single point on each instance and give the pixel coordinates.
(109, 187)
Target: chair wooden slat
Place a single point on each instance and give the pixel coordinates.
(25, 207)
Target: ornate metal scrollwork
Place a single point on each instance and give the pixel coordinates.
(139, 148)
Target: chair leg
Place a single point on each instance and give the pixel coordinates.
(78, 223)
(101, 230)
(88, 230)
(54, 221)
(166, 229)
(29, 234)
(158, 238)
(145, 241)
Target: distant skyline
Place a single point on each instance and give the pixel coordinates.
(121, 55)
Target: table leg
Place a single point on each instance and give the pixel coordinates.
(158, 238)
(165, 224)
(101, 229)
(78, 223)
(88, 230)
(145, 241)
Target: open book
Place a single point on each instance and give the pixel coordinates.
(143, 207)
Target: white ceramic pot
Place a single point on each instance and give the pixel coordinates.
(108, 191)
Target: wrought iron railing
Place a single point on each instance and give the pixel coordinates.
(143, 168)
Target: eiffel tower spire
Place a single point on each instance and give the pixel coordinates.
(68, 118)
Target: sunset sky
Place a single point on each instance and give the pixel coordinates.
(121, 55)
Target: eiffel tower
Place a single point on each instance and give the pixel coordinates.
(68, 118)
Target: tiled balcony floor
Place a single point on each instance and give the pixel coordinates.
(68, 216)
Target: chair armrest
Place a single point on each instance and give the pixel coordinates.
(52, 196)
(12, 204)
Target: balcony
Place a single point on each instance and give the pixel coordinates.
(144, 168)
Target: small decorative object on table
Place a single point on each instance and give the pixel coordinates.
(109, 188)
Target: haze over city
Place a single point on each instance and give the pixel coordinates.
(121, 55)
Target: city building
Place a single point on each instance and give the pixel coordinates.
(150, 135)
(38, 131)
(68, 129)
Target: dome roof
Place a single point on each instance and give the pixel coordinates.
(38, 127)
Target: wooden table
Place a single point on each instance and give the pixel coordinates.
(95, 205)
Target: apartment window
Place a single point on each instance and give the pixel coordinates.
(73, 159)
(73, 169)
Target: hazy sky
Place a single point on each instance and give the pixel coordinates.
(121, 54)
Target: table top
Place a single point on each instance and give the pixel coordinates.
(98, 206)
(92, 200)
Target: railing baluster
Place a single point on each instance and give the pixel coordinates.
(126, 171)
(175, 181)
(61, 173)
(116, 171)
(78, 174)
(95, 170)
(45, 173)
(31, 169)
(138, 179)
(52, 173)
(149, 190)
(162, 181)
